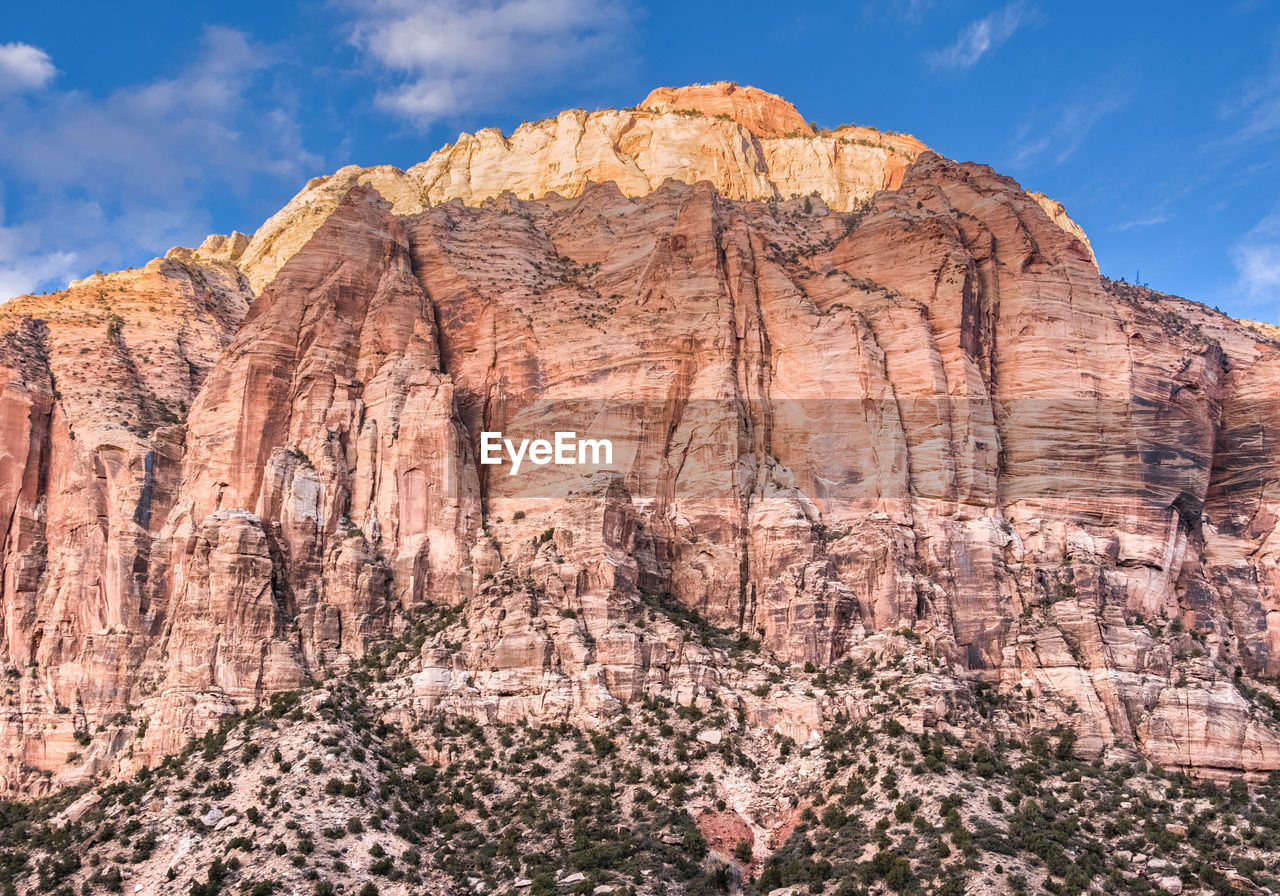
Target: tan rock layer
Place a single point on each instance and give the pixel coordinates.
(746, 143)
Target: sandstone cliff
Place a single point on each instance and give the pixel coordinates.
(97, 383)
(901, 411)
(747, 143)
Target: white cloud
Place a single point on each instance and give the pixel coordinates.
(1052, 139)
(910, 11)
(1259, 267)
(24, 67)
(25, 273)
(166, 135)
(978, 38)
(1148, 221)
(105, 181)
(23, 269)
(448, 56)
(1257, 260)
(1253, 109)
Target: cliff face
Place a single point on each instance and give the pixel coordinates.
(97, 381)
(905, 414)
(746, 143)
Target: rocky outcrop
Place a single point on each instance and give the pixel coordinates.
(97, 383)
(761, 113)
(1058, 214)
(901, 420)
(746, 143)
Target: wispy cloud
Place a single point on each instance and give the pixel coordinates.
(103, 181)
(447, 56)
(910, 11)
(24, 67)
(978, 38)
(1148, 221)
(1253, 110)
(1257, 260)
(1248, 135)
(1245, 7)
(23, 266)
(1053, 137)
(1259, 268)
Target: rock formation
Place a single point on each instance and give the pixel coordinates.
(862, 399)
(747, 143)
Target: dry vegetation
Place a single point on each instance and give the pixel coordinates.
(347, 788)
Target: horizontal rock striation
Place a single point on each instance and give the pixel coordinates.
(747, 143)
(903, 416)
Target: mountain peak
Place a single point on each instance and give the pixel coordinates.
(747, 143)
(760, 112)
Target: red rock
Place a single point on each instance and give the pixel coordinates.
(832, 422)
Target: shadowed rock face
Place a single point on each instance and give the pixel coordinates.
(926, 418)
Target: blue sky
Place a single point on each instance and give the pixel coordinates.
(128, 128)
